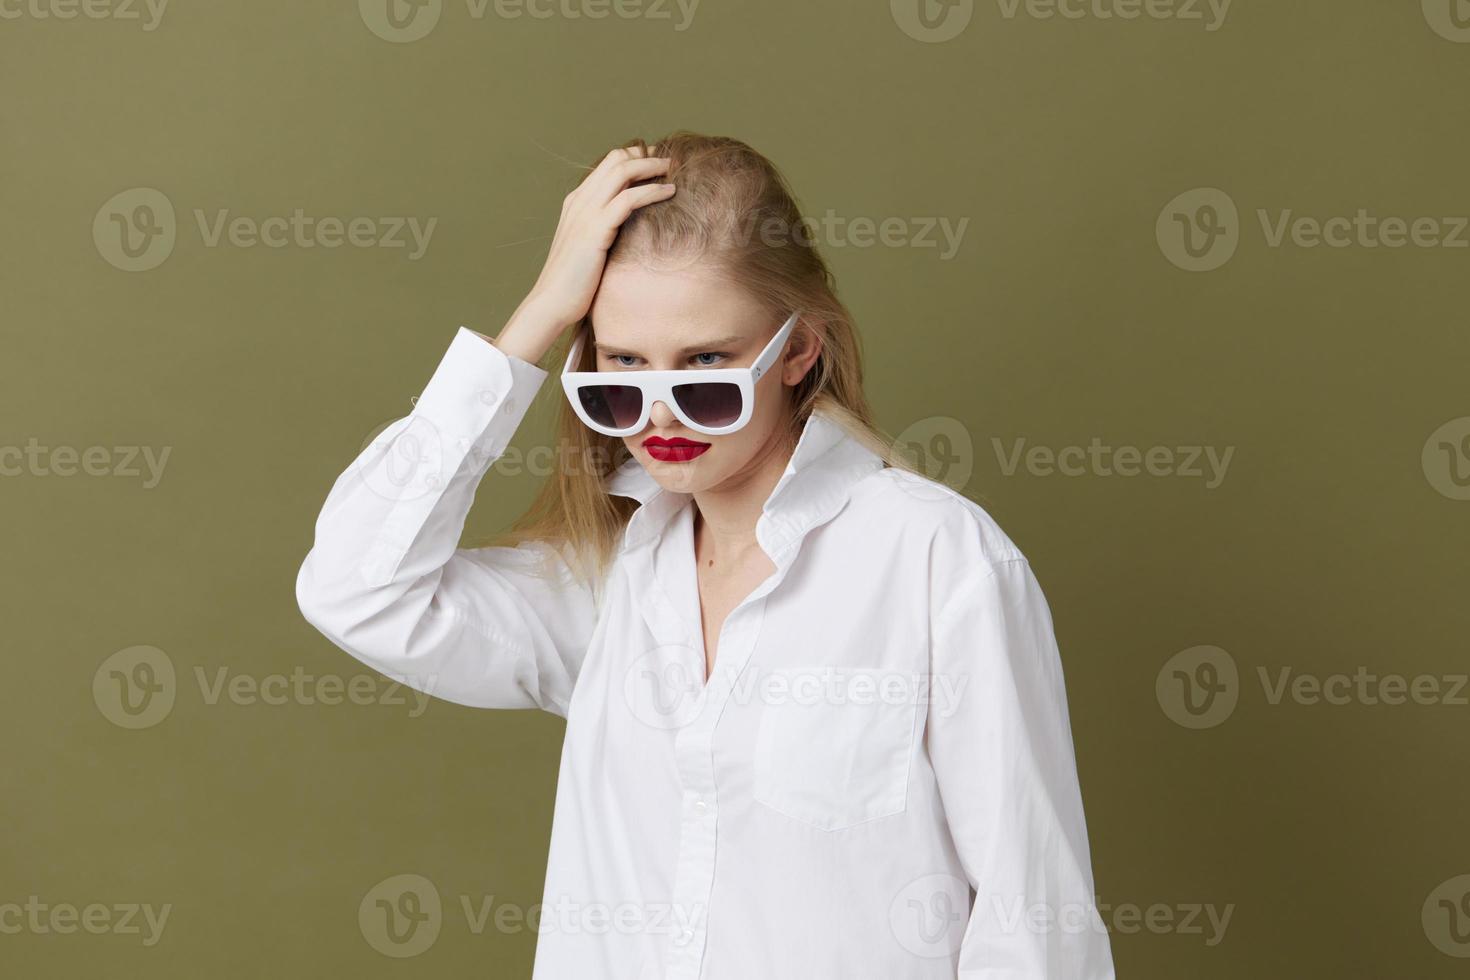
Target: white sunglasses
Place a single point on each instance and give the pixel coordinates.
(715, 401)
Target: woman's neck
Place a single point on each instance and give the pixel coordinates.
(725, 516)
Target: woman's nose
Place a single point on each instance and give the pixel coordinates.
(660, 414)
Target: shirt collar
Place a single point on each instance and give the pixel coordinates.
(818, 477)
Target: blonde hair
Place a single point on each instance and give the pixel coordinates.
(729, 200)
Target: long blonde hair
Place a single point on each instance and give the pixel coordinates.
(734, 210)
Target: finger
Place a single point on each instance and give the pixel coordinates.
(603, 187)
(614, 157)
(624, 204)
(590, 179)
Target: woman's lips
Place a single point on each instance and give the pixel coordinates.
(673, 450)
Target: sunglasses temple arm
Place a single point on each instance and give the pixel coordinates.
(572, 353)
(773, 349)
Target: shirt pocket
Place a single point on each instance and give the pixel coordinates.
(833, 745)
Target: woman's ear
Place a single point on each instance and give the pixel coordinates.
(801, 353)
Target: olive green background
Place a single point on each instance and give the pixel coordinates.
(1327, 548)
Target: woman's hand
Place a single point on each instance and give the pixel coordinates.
(590, 218)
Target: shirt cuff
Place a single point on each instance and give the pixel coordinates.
(478, 396)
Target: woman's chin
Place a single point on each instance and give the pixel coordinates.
(681, 477)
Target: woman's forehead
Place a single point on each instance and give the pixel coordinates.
(638, 309)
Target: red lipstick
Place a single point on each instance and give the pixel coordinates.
(673, 450)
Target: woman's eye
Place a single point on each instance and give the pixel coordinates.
(716, 358)
(622, 360)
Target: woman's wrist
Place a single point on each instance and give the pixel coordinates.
(530, 331)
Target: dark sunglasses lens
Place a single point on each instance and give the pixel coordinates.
(711, 403)
(615, 406)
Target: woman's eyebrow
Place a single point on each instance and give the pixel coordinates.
(708, 345)
(714, 344)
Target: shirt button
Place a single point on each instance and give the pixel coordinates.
(509, 406)
(685, 936)
(701, 807)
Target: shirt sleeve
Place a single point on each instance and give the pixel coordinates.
(387, 582)
(1003, 758)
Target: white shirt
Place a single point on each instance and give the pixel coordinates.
(884, 730)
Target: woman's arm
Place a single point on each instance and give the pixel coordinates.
(386, 581)
(1007, 774)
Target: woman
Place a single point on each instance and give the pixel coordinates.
(813, 699)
